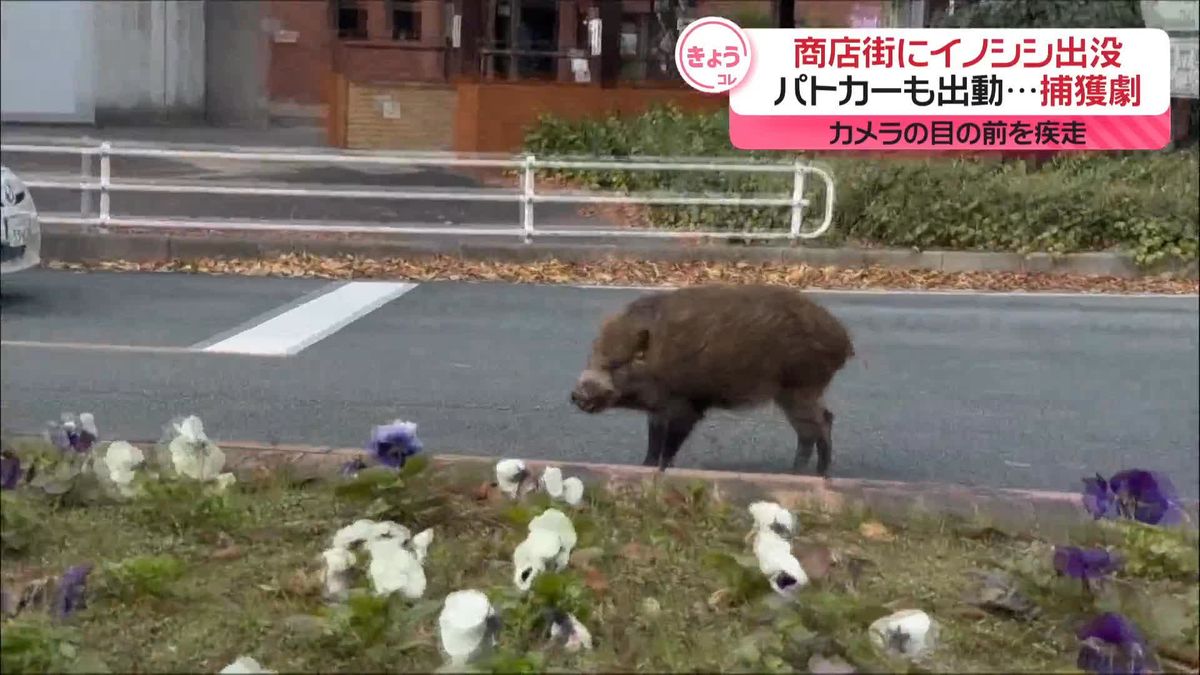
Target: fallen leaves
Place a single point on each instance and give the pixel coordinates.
(636, 552)
(595, 580)
(875, 531)
(641, 273)
(817, 560)
(232, 552)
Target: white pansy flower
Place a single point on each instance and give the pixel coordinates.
(534, 555)
(245, 665)
(908, 632)
(556, 521)
(510, 475)
(572, 491)
(87, 423)
(338, 564)
(394, 568)
(575, 633)
(551, 538)
(552, 481)
(364, 529)
(192, 454)
(386, 529)
(420, 544)
(772, 516)
(225, 480)
(466, 622)
(776, 561)
(359, 530)
(122, 459)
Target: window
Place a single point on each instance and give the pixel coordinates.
(406, 20)
(351, 20)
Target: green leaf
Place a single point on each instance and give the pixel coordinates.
(414, 466)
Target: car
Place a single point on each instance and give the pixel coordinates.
(21, 246)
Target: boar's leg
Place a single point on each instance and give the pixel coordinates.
(656, 435)
(825, 442)
(813, 424)
(668, 429)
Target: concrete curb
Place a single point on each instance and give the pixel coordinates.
(72, 245)
(1031, 512)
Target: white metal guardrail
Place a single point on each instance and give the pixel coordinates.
(527, 196)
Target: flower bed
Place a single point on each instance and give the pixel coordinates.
(166, 564)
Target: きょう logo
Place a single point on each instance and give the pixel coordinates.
(713, 55)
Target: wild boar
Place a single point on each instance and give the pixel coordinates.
(676, 354)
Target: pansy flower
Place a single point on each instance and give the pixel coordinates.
(72, 587)
(1087, 565)
(1146, 496)
(1098, 499)
(10, 471)
(392, 444)
(1111, 644)
(72, 434)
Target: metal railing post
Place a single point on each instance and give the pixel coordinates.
(105, 181)
(527, 194)
(85, 176)
(797, 199)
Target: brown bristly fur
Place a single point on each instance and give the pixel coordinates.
(675, 354)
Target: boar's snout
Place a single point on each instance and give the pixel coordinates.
(593, 392)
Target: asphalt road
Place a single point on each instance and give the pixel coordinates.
(985, 390)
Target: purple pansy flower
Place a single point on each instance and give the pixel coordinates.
(1111, 644)
(10, 472)
(1098, 499)
(71, 434)
(1085, 564)
(392, 444)
(1146, 496)
(72, 587)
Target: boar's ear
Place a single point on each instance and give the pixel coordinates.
(641, 344)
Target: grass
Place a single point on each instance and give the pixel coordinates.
(654, 577)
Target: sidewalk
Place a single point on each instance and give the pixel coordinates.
(278, 136)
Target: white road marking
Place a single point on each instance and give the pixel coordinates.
(291, 332)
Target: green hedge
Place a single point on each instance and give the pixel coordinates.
(1147, 203)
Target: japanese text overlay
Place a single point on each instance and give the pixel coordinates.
(940, 89)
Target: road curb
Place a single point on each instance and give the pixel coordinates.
(74, 246)
(1033, 512)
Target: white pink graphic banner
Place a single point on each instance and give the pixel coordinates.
(934, 89)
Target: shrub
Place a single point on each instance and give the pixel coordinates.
(1146, 203)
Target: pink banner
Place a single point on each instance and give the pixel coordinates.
(950, 132)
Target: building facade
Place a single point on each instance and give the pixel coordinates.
(443, 41)
(80, 61)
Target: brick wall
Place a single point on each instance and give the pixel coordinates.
(390, 62)
(299, 70)
(403, 116)
(306, 51)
